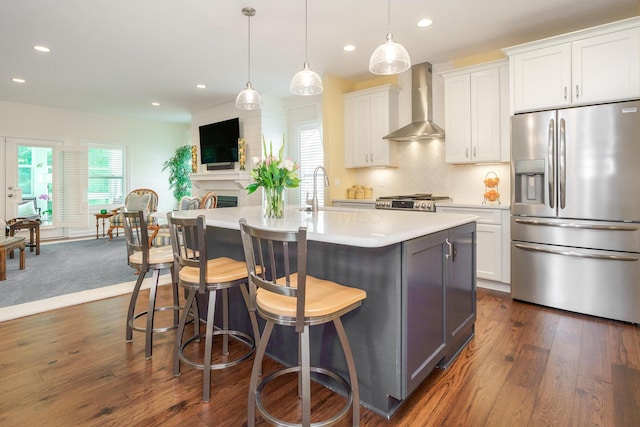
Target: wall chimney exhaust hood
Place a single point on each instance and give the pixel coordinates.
(421, 126)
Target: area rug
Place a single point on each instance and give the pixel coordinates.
(66, 268)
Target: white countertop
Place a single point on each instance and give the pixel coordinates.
(345, 226)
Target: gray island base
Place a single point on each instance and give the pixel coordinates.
(420, 307)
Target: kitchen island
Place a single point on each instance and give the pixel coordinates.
(419, 274)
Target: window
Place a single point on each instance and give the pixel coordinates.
(311, 156)
(106, 175)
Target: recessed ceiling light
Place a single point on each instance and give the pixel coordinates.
(41, 48)
(155, 104)
(349, 48)
(201, 86)
(424, 22)
(18, 80)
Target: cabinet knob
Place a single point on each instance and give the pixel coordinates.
(577, 92)
(565, 93)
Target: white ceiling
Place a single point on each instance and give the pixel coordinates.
(118, 56)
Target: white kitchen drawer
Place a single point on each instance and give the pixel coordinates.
(487, 216)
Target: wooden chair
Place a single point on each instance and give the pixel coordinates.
(283, 294)
(199, 275)
(142, 199)
(144, 258)
(209, 201)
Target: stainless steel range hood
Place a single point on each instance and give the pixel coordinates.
(421, 126)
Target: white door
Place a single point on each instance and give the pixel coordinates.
(50, 174)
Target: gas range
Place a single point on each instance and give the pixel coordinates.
(421, 202)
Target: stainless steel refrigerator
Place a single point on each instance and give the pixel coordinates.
(575, 209)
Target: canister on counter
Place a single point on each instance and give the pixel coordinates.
(359, 192)
(351, 193)
(368, 192)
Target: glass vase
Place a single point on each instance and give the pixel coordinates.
(273, 203)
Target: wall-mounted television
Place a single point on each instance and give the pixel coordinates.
(219, 142)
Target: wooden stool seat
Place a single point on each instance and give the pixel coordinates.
(323, 298)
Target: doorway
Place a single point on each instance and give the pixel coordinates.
(50, 178)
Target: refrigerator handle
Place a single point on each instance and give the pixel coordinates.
(562, 163)
(577, 226)
(575, 254)
(550, 163)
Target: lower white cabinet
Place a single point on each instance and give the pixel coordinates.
(492, 256)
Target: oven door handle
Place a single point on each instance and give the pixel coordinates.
(578, 226)
(575, 254)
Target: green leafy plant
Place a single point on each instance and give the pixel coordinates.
(179, 167)
(274, 172)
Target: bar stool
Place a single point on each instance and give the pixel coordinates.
(143, 258)
(293, 298)
(199, 275)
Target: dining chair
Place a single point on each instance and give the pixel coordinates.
(142, 257)
(284, 294)
(143, 199)
(200, 276)
(209, 201)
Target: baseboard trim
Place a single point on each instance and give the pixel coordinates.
(54, 303)
(496, 286)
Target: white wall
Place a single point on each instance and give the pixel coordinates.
(148, 143)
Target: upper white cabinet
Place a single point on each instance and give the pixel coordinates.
(370, 114)
(600, 64)
(477, 113)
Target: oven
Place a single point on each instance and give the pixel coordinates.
(419, 202)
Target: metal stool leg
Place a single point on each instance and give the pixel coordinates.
(208, 344)
(190, 301)
(306, 376)
(353, 376)
(151, 311)
(255, 374)
(132, 305)
(225, 321)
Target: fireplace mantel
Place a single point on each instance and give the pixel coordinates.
(232, 183)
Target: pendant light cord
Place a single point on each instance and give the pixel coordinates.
(249, 49)
(389, 16)
(306, 25)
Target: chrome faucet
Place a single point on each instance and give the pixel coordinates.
(314, 200)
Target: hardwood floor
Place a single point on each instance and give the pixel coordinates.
(526, 366)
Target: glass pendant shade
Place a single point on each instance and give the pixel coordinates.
(389, 58)
(249, 98)
(306, 82)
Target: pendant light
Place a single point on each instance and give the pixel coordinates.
(390, 57)
(306, 81)
(249, 98)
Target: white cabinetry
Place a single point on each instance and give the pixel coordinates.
(600, 64)
(370, 114)
(493, 242)
(476, 117)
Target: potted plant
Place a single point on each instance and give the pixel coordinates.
(179, 167)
